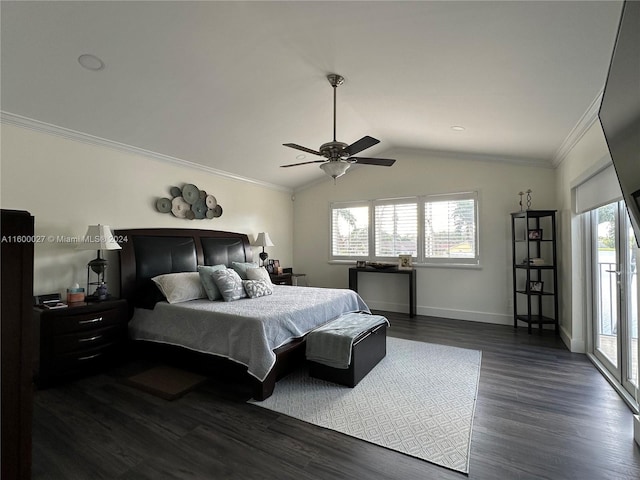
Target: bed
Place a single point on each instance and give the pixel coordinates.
(264, 335)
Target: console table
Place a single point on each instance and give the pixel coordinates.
(353, 281)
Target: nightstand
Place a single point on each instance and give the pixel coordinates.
(79, 339)
(282, 279)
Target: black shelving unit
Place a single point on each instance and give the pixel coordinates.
(535, 268)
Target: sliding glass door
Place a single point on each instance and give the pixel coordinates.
(630, 380)
(614, 280)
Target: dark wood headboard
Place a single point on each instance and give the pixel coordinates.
(147, 252)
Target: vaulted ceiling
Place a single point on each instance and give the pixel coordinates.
(225, 84)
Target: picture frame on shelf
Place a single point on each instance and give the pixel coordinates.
(277, 269)
(270, 266)
(536, 286)
(361, 264)
(405, 262)
(535, 234)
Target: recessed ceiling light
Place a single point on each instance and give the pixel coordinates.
(302, 156)
(457, 128)
(90, 62)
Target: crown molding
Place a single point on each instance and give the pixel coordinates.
(43, 127)
(575, 135)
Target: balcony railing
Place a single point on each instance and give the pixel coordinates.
(608, 300)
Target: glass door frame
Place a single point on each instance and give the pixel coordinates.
(596, 276)
(616, 374)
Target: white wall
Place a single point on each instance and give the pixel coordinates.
(67, 185)
(482, 294)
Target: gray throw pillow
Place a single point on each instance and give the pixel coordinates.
(241, 268)
(210, 287)
(230, 284)
(259, 273)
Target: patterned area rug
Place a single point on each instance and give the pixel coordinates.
(419, 400)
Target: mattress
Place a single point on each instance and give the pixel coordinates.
(246, 330)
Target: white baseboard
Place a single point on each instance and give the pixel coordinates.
(471, 316)
(575, 345)
(636, 428)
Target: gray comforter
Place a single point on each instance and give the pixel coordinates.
(247, 330)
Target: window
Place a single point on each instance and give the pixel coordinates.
(434, 229)
(396, 229)
(450, 228)
(350, 231)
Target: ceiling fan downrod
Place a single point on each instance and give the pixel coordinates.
(335, 80)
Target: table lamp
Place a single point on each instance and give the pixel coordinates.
(98, 237)
(263, 240)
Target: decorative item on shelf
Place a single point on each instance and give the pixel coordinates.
(98, 237)
(263, 240)
(361, 264)
(536, 286)
(277, 269)
(75, 294)
(521, 193)
(49, 301)
(381, 265)
(189, 202)
(405, 262)
(533, 261)
(535, 234)
(529, 199)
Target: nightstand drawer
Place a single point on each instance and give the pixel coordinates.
(80, 360)
(87, 339)
(73, 322)
(281, 279)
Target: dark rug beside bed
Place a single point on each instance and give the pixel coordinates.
(166, 382)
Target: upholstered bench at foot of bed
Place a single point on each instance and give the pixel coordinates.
(368, 348)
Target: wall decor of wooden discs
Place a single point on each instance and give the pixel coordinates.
(189, 202)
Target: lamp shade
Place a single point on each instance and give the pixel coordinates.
(263, 240)
(98, 237)
(335, 169)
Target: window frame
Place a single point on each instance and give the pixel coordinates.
(474, 261)
(420, 259)
(342, 205)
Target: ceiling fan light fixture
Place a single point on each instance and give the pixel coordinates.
(339, 155)
(335, 169)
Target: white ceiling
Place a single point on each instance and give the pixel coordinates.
(225, 84)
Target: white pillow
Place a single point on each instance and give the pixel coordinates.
(259, 273)
(180, 287)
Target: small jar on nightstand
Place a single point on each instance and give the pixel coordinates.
(79, 339)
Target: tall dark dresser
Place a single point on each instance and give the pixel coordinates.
(16, 333)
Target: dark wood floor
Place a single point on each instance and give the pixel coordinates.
(542, 413)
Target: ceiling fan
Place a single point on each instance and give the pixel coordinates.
(339, 155)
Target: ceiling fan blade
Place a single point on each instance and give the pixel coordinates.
(362, 144)
(304, 149)
(382, 162)
(303, 163)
